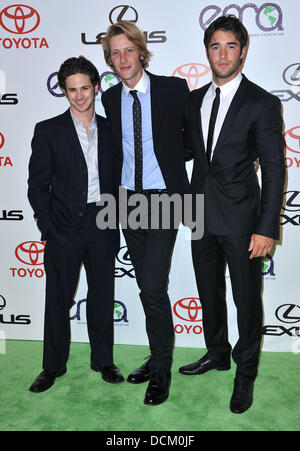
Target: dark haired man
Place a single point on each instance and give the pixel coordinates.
(71, 166)
(147, 116)
(233, 122)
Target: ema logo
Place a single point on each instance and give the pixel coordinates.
(20, 20)
(268, 267)
(268, 16)
(30, 253)
(188, 310)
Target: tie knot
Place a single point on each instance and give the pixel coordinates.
(133, 92)
(218, 90)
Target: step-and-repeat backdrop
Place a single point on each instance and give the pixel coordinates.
(35, 38)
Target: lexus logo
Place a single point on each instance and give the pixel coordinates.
(123, 256)
(19, 19)
(292, 201)
(2, 302)
(30, 252)
(291, 74)
(123, 12)
(188, 309)
(53, 86)
(288, 313)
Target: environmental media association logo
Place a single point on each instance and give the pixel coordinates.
(268, 267)
(268, 16)
(119, 315)
(192, 73)
(20, 20)
(188, 310)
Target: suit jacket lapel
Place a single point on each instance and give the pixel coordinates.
(115, 108)
(156, 109)
(231, 114)
(72, 138)
(196, 113)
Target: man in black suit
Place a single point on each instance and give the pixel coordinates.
(146, 112)
(71, 166)
(233, 122)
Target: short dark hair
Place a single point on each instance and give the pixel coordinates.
(227, 23)
(79, 65)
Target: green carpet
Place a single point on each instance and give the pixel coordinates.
(81, 401)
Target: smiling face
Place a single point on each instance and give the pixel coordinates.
(81, 94)
(224, 54)
(126, 60)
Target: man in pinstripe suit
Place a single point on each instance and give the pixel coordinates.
(71, 167)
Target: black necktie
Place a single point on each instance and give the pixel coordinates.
(138, 153)
(212, 121)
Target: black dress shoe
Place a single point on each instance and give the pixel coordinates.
(205, 364)
(140, 375)
(242, 396)
(109, 373)
(158, 388)
(45, 380)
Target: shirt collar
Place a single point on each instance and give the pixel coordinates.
(141, 86)
(77, 122)
(230, 86)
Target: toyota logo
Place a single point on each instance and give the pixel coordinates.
(30, 252)
(188, 309)
(192, 72)
(19, 19)
(292, 139)
(2, 140)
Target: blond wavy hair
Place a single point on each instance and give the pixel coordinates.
(133, 34)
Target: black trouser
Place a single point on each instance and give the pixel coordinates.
(150, 251)
(210, 255)
(96, 250)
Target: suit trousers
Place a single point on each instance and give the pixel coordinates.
(150, 251)
(210, 255)
(96, 250)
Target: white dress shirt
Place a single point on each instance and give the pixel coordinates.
(226, 95)
(90, 152)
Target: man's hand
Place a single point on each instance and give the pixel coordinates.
(260, 245)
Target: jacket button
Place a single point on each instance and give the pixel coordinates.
(80, 213)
